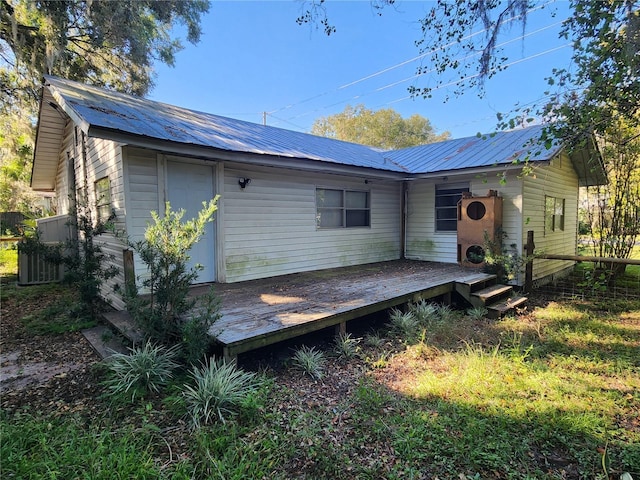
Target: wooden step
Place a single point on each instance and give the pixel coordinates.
(497, 310)
(103, 341)
(124, 324)
(492, 293)
(467, 285)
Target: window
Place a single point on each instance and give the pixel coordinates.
(553, 214)
(447, 198)
(103, 198)
(342, 208)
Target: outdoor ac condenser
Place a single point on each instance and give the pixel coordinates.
(33, 270)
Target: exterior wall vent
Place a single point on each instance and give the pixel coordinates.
(479, 226)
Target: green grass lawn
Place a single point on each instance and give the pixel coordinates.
(553, 394)
(8, 262)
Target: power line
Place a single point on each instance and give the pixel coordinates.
(439, 87)
(405, 62)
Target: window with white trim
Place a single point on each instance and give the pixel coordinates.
(342, 208)
(102, 189)
(553, 214)
(447, 198)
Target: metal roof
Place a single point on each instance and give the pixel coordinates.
(502, 148)
(107, 114)
(104, 109)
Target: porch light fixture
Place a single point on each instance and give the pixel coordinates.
(243, 182)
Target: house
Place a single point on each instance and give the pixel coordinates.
(293, 202)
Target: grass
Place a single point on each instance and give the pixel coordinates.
(549, 395)
(8, 262)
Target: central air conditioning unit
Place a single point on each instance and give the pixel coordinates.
(479, 226)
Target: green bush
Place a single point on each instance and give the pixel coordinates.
(310, 361)
(168, 315)
(219, 389)
(404, 324)
(146, 369)
(344, 345)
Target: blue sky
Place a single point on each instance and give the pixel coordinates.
(255, 58)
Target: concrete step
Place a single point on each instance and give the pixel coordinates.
(497, 310)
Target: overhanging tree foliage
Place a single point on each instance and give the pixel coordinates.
(613, 210)
(599, 93)
(383, 128)
(106, 43)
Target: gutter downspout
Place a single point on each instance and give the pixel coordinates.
(403, 219)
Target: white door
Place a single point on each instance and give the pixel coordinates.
(188, 186)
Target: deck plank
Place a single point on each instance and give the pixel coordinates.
(265, 311)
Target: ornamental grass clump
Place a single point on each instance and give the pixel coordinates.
(477, 313)
(310, 361)
(218, 391)
(404, 324)
(345, 346)
(146, 369)
(424, 311)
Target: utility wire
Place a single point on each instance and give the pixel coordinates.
(385, 70)
(439, 87)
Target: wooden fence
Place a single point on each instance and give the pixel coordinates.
(529, 249)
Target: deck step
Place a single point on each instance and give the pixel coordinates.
(103, 341)
(467, 285)
(493, 292)
(124, 324)
(497, 310)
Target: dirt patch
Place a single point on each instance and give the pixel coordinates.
(46, 372)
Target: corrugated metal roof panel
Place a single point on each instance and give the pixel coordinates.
(501, 148)
(138, 116)
(93, 107)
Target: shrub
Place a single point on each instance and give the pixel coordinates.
(87, 265)
(167, 315)
(404, 324)
(220, 388)
(344, 345)
(374, 339)
(145, 369)
(310, 361)
(424, 311)
(477, 313)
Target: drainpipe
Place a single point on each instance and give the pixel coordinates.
(403, 221)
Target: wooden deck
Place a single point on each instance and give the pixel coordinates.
(262, 312)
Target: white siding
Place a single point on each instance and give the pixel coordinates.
(63, 188)
(270, 226)
(557, 180)
(101, 158)
(424, 243)
(104, 159)
(144, 188)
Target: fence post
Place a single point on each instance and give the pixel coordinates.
(528, 272)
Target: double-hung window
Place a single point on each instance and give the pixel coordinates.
(342, 208)
(447, 198)
(553, 214)
(103, 198)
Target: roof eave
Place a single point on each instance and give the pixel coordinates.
(588, 164)
(48, 143)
